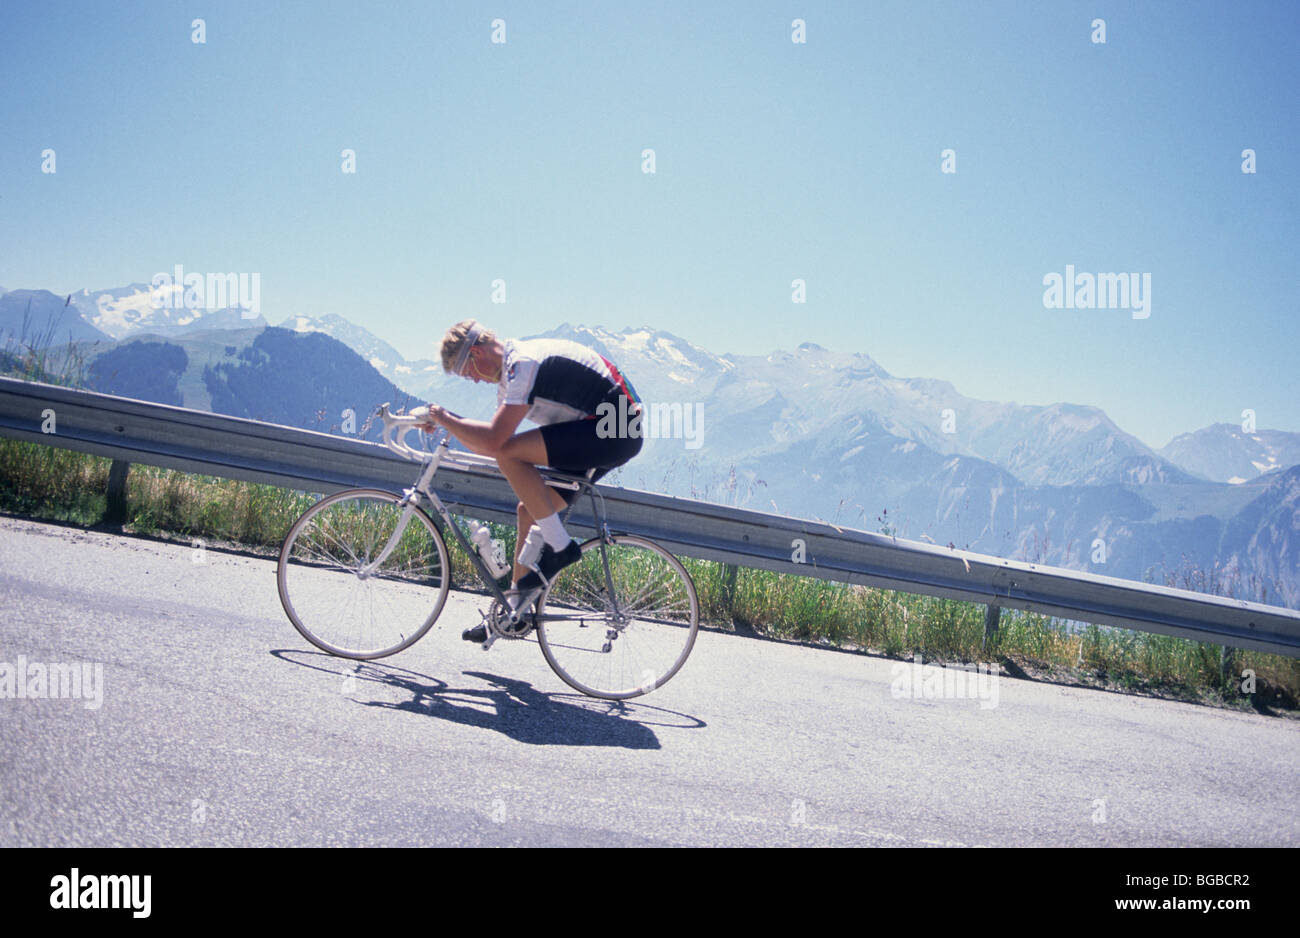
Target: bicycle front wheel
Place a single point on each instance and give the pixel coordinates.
(335, 594)
(627, 644)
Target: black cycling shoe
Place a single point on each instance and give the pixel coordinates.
(550, 563)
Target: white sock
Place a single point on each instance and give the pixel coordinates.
(553, 531)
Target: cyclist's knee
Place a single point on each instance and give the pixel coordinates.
(528, 448)
(510, 448)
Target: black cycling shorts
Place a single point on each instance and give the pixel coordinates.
(575, 447)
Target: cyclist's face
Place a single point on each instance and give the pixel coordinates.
(476, 369)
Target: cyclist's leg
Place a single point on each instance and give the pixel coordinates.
(518, 460)
(574, 446)
(577, 447)
(523, 521)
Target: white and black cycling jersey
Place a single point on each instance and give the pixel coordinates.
(560, 380)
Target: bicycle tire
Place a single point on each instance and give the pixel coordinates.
(335, 608)
(600, 657)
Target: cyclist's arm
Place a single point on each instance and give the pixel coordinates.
(484, 438)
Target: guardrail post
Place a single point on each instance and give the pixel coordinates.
(991, 616)
(1227, 659)
(115, 513)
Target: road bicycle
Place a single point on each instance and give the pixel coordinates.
(365, 573)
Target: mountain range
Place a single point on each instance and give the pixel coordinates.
(807, 432)
(1225, 452)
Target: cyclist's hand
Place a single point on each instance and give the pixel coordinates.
(427, 422)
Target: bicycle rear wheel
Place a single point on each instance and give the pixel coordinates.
(335, 602)
(602, 654)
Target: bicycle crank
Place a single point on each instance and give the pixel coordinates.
(498, 623)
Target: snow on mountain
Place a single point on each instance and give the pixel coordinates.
(1224, 452)
(138, 308)
(1060, 444)
(660, 365)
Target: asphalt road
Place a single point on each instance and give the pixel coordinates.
(217, 724)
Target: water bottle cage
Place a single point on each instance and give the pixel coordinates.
(531, 553)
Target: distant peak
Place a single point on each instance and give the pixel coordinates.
(811, 347)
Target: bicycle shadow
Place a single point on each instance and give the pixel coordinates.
(513, 708)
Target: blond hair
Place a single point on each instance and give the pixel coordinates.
(454, 340)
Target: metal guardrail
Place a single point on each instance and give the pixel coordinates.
(232, 447)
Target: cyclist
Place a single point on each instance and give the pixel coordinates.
(561, 386)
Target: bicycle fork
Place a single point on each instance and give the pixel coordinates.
(408, 502)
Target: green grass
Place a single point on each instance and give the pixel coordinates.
(56, 484)
(42, 482)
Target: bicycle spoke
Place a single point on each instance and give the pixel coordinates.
(324, 529)
(327, 559)
(642, 652)
(596, 602)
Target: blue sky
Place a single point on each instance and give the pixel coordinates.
(774, 160)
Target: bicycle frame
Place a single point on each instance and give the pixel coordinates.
(421, 490)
